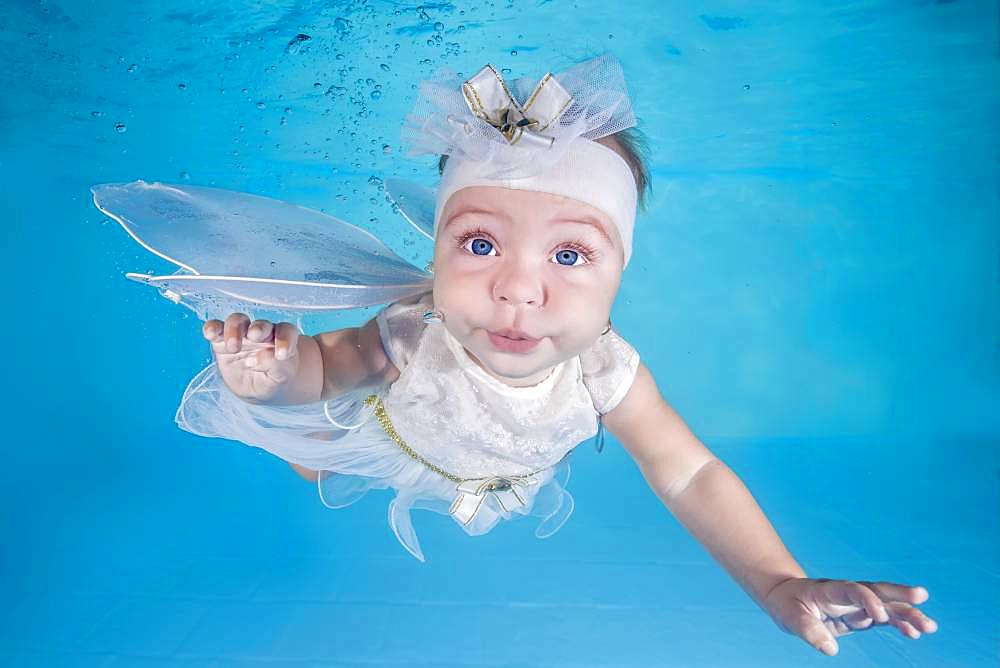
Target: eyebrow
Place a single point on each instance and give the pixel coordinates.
(583, 220)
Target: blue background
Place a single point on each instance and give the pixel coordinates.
(814, 287)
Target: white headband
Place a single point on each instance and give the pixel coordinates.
(531, 136)
(588, 172)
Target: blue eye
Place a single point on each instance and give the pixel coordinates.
(566, 253)
(478, 244)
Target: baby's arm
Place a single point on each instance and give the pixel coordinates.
(700, 490)
(351, 358)
(717, 508)
(317, 368)
(251, 358)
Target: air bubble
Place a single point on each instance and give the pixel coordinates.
(342, 25)
(296, 43)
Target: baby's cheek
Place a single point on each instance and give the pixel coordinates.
(449, 300)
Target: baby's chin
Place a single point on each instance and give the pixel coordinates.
(515, 370)
(517, 379)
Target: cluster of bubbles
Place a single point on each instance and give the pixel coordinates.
(355, 71)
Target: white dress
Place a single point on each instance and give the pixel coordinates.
(445, 435)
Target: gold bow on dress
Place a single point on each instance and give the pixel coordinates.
(489, 99)
(472, 493)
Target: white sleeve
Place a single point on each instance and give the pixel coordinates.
(609, 367)
(400, 325)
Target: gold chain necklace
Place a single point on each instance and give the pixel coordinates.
(383, 418)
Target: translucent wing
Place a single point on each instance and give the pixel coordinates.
(415, 202)
(237, 251)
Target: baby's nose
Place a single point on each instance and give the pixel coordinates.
(514, 297)
(518, 287)
(516, 300)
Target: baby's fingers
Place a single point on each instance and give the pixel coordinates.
(260, 330)
(286, 340)
(890, 591)
(212, 330)
(235, 329)
(804, 624)
(263, 362)
(909, 620)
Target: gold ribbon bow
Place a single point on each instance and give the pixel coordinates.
(489, 99)
(473, 492)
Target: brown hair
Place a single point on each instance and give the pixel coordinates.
(632, 145)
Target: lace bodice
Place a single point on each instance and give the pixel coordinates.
(455, 415)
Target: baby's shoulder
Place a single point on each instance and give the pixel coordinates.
(609, 367)
(609, 348)
(400, 325)
(406, 312)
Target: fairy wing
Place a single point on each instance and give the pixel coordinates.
(236, 251)
(416, 203)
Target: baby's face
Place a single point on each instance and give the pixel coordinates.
(527, 270)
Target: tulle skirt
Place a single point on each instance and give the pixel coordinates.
(342, 440)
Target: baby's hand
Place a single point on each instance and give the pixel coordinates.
(820, 610)
(255, 359)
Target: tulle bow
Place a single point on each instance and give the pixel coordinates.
(589, 99)
(472, 493)
(489, 99)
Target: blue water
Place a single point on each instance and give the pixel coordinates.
(815, 288)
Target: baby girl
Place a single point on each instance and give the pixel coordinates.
(480, 387)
